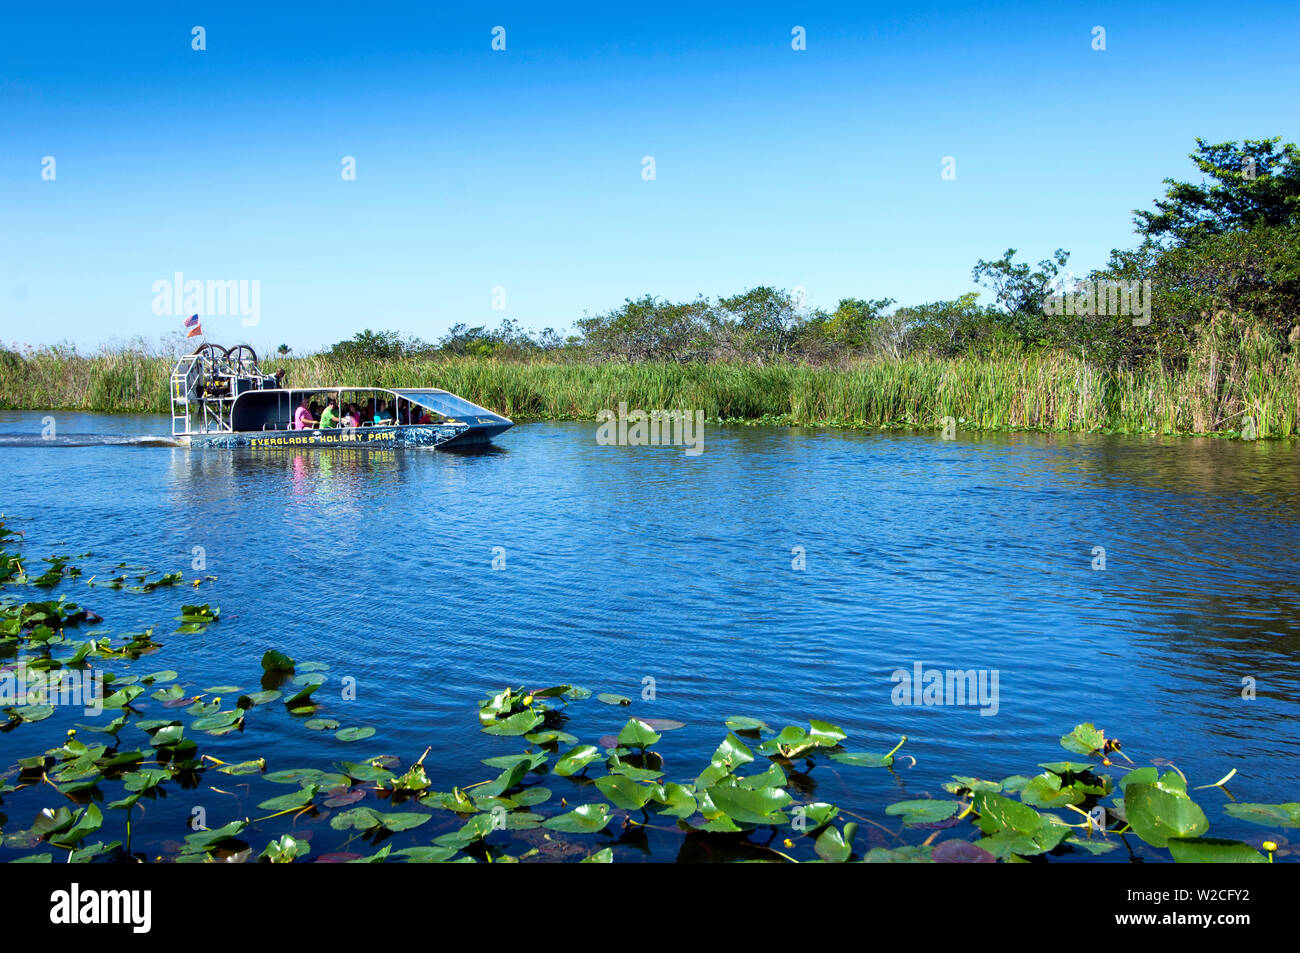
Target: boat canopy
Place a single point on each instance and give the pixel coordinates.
(442, 402)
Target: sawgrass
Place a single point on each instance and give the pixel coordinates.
(1226, 382)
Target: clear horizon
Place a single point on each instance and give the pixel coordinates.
(517, 174)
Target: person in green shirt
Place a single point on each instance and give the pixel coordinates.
(329, 417)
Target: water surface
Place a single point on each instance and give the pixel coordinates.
(623, 564)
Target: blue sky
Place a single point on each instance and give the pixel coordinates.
(522, 169)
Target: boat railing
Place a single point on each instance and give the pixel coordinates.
(204, 386)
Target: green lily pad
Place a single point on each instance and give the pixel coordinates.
(586, 819)
(1209, 850)
(354, 734)
(1157, 812)
(1269, 815)
(925, 811)
(624, 792)
(575, 759)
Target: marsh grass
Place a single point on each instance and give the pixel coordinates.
(1233, 374)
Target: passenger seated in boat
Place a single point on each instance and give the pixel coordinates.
(420, 415)
(302, 417)
(352, 418)
(383, 415)
(329, 418)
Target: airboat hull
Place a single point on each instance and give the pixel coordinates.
(221, 399)
(433, 435)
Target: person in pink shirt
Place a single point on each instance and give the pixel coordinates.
(302, 418)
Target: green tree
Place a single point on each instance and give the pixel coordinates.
(1251, 184)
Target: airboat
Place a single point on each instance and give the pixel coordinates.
(221, 398)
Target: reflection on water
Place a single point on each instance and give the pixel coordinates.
(619, 563)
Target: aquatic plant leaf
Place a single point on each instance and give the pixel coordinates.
(728, 756)
(998, 813)
(664, 724)
(529, 797)
(354, 734)
(145, 779)
(617, 766)
(678, 800)
(517, 724)
(863, 759)
(285, 850)
(258, 698)
(749, 805)
(32, 713)
(401, 820)
(744, 723)
(123, 696)
(302, 776)
(586, 819)
(1008, 843)
(793, 741)
(773, 777)
(206, 840)
(835, 846)
(302, 698)
(504, 781)
(550, 737)
(426, 855)
(1140, 776)
(609, 698)
(1066, 768)
(925, 811)
(964, 785)
(217, 722)
(274, 661)
(960, 852)
(624, 792)
(476, 828)
(365, 772)
(637, 734)
(414, 779)
(815, 815)
(88, 820)
(244, 767)
(603, 856)
(534, 760)
(1095, 846)
(457, 801)
(827, 735)
(1046, 790)
(575, 759)
(1084, 739)
(321, 724)
(907, 854)
(1157, 812)
(291, 801)
(1210, 850)
(1269, 815)
(1014, 784)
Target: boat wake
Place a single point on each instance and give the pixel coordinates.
(87, 440)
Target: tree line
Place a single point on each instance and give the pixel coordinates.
(1218, 255)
